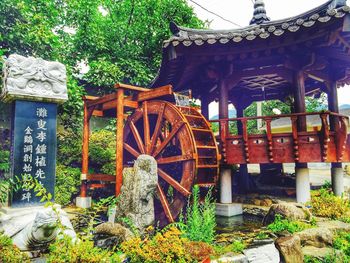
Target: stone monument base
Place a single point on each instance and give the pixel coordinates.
(83, 202)
(228, 210)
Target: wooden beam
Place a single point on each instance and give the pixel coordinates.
(155, 93)
(102, 100)
(130, 87)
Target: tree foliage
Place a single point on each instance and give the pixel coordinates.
(118, 40)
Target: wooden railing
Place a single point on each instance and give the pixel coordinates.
(332, 133)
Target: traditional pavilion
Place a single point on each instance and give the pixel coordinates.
(269, 60)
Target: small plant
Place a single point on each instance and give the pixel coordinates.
(280, 224)
(65, 250)
(67, 183)
(325, 204)
(9, 252)
(236, 247)
(199, 223)
(165, 246)
(327, 185)
(262, 235)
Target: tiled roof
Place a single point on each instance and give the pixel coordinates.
(185, 36)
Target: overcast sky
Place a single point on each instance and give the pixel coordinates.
(241, 11)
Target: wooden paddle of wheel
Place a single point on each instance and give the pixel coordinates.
(180, 140)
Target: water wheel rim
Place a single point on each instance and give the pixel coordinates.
(148, 142)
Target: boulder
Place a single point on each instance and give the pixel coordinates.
(35, 228)
(334, 225)
(108, 235)
(290, 249)
(316, 237)
(263, 254)
(292, 211)
(137, 193)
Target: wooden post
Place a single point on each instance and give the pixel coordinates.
(333, 104)
(85, 152)
(299, 99)
(119, 143)
(205, 107)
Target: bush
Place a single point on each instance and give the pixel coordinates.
(102, 149)
(167, 246)
(236, 247)
(9, 252)
(199, 223)
(281, 224)
(69, 147)
(324, 203)
(63, 250)
(67, 184)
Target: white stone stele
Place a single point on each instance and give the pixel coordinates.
(302, 185)
(228, 210)
(83, 202)
(34, 79)
(337, 180)
(225, 186)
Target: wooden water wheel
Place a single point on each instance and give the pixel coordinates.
(181, 141)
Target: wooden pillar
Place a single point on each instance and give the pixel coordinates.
(240, 114)
(243, 179)
(225, 172)
(337, 168)
(119, 142)
(85, 152)
(205, 107)
(299, 98)
(333, 103)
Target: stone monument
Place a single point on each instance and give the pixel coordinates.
(136, 200)
(34, 87)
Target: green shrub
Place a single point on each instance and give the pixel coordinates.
(342, 242)
(67, 184)
(324, 203)
(69, 148)
(102, 147)
(280, 224)
(199, 222)
(63, 250)
(236, 247)
(166, 246)
(9, 252)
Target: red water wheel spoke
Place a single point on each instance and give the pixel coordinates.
(157, 129)
(146, 131)
(137, 137)
(131, 150)
(173, 159)
(173, 182)
(165, 204)
(161, 147)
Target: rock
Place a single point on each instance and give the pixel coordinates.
(266, 202)
(292, 211)
(320, 253)
(316, 237)
(108, 235)
(263, 254)
(255, 211)
(35, 229)
(334, 225)
(137, 192)
(231, 258)
(114, 229)
(290, 249)
(257, 202)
